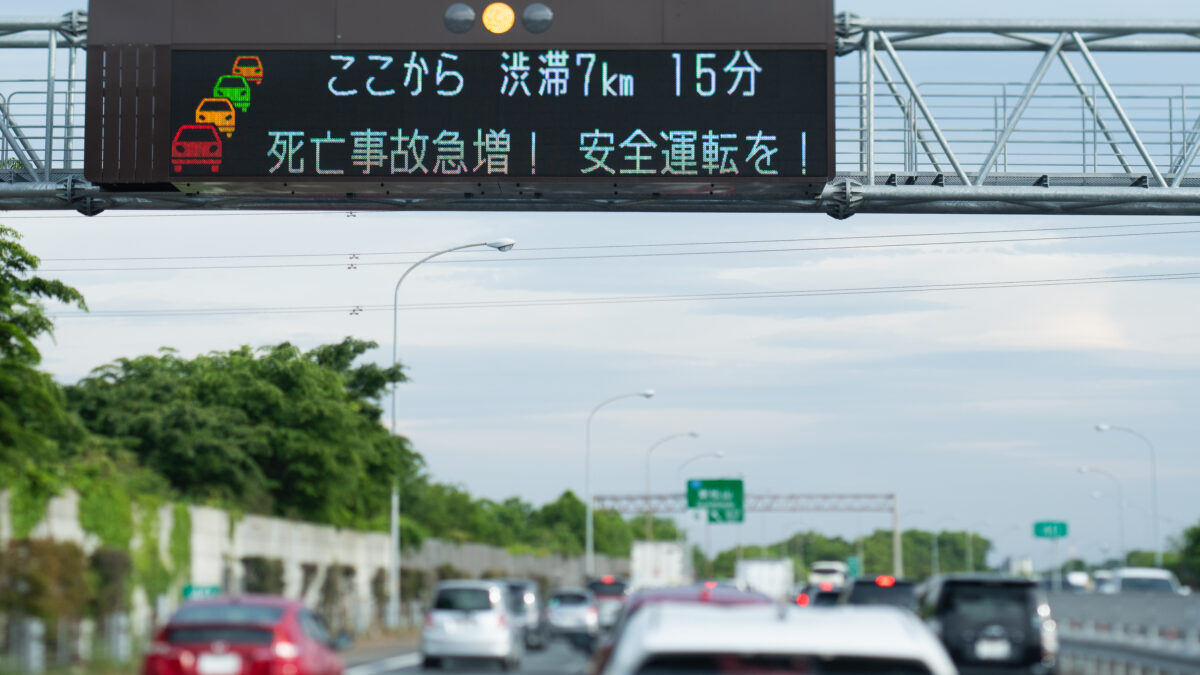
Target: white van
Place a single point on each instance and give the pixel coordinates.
(1140, 580)
(828, 571)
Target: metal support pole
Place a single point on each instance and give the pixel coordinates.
(393, 606)
(50, 68)
(69, 119)
(589, 517)
(1189, 159)
(870, 112)
(1038, 75)
(920, 101)
(897, 540)
(1116, 104)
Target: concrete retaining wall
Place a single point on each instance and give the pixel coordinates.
(219, 545)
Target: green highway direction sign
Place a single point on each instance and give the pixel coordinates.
(854, 567)
(191, 592)
(1050, 529)
(723, 498)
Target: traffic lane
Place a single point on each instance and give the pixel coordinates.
(558, 658)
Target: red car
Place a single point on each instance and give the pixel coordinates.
(196, 144)
(244, 635)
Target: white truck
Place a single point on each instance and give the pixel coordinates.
(771, 577)
(655, 564)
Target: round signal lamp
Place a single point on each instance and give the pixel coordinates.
(498, 17)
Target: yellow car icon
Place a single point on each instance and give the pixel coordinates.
(218, 112)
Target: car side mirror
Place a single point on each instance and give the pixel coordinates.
(343, 641)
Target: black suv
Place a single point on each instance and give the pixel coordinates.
(992, 623)
(880, 590)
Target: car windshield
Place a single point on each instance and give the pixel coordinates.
(607, 587)
(196, 135)
(463, 599)
(568, 600)
(1146, 585)
(773, 664)
(232, 613)
(976, 604)
(246, 63)
(230, 82)
(216, 105)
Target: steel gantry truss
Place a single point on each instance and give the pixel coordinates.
(772, 503)
(1062, 139)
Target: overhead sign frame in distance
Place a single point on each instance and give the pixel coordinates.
(654, 98)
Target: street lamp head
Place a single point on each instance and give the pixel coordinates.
(649, 393)
(502, 245)
(692, 434)
(1103, 427)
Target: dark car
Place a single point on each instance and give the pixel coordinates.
(880, 590)
(824, 594)
(244, 634)
(992, 623)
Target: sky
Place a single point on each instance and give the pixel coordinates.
(975, 406)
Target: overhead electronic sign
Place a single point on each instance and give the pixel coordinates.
(452, 98)
(683, 115)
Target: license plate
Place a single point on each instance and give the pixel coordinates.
(219, 664)
(993, 650)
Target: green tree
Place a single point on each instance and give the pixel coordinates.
(35, 428)
(276, 430)
(1189, 556)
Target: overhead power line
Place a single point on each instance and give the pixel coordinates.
(639, 299)
(734, 242)
(667, 254)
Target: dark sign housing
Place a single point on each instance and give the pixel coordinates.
(422, 98)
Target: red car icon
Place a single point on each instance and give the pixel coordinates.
(196, 144)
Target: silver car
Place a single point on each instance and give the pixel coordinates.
(471, 620)
(571, 613)
(526, 607)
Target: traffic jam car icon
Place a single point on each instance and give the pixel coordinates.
(235, 88)
(218, 112)
(249, 67)
(196, 144)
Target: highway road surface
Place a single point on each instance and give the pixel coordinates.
(557, 659)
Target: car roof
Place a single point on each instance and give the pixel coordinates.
(697, 593)
(868, 632)
(251, 599)
(561, 591)
(984, 578)
(478, 584)
(1144, 573)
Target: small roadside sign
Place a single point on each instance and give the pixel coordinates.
(195, 592)
(1050, 529)
(853, 567)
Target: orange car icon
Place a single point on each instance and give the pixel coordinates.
(218, 112)
(196, 144)
(248, 67)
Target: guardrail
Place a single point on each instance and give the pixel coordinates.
(1124, 633)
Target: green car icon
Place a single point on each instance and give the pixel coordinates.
(235, 88)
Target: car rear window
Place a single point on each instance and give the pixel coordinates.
(235, 614)
(898, 595)
(215, 105)
(607, 588)
(230, 634)
(977, 604)
(568, 600)
(193, 135)
(463, 599)
(247, 63)
(775, 664)
(1142, 585)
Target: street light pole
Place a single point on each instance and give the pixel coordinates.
(1120, 507)
(1158, 553)
(393, 606)
(649, 509)
(589, 526)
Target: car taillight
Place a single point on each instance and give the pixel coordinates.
(826, 586)
(286, 650)
(181, 149)
(885, 581)
(229, 117)
(212, 149)
(428, 618)
(502, 620)
(803, 600)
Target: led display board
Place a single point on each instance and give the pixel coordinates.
(666, 115)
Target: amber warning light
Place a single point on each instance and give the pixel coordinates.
(498, 17)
